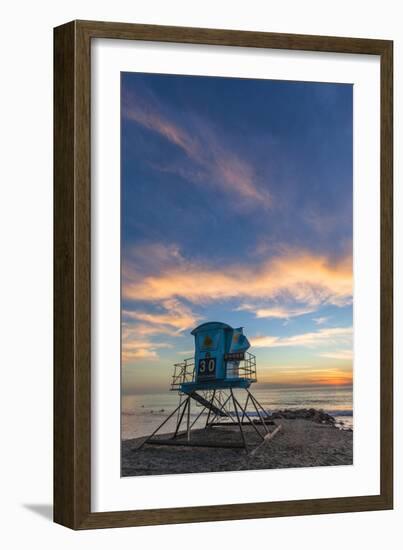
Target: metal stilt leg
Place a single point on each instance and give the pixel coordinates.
(249, 420)
(188, 421)
(259, 413)
(209, 411)
(160, 426)
(181, 417)
(246, 406)
(239, 422)
(222, 408)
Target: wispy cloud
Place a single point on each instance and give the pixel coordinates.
(134, 349)
(211, 161)
(327, 336)
(147, 113)
(173, 317)
(325, 222)
(144, 329)
(140, 326)
(276, 312)
(301, 276)
(320, 320)
(341, 355)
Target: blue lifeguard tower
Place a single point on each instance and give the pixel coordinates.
(221, 365)
(219, 350)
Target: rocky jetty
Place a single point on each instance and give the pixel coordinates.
(315, 415)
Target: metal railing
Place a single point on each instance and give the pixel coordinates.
(185, 371)
(247, 367)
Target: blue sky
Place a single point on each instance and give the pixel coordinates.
(236, 207)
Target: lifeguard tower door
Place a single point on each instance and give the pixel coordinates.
(210, 345)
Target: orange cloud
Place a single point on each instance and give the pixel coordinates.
(302, 276)
(131, 355)
(174, 316)
(140, 349)
(136, 345)
(139, 326)
(146, 330)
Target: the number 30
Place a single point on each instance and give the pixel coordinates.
(207, 367)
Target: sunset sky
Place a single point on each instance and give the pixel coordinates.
(236, 207)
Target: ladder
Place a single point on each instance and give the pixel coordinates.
(208, 404)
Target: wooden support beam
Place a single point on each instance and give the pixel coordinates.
(267, 438)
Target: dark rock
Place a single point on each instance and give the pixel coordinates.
(315, 415)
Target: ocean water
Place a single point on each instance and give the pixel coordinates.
(142, 414)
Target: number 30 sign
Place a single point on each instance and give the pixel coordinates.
(207, 367)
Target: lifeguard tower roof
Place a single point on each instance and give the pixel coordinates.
(211, 325)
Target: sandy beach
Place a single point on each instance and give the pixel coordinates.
(307, 438)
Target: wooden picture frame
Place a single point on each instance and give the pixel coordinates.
(72, 270)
